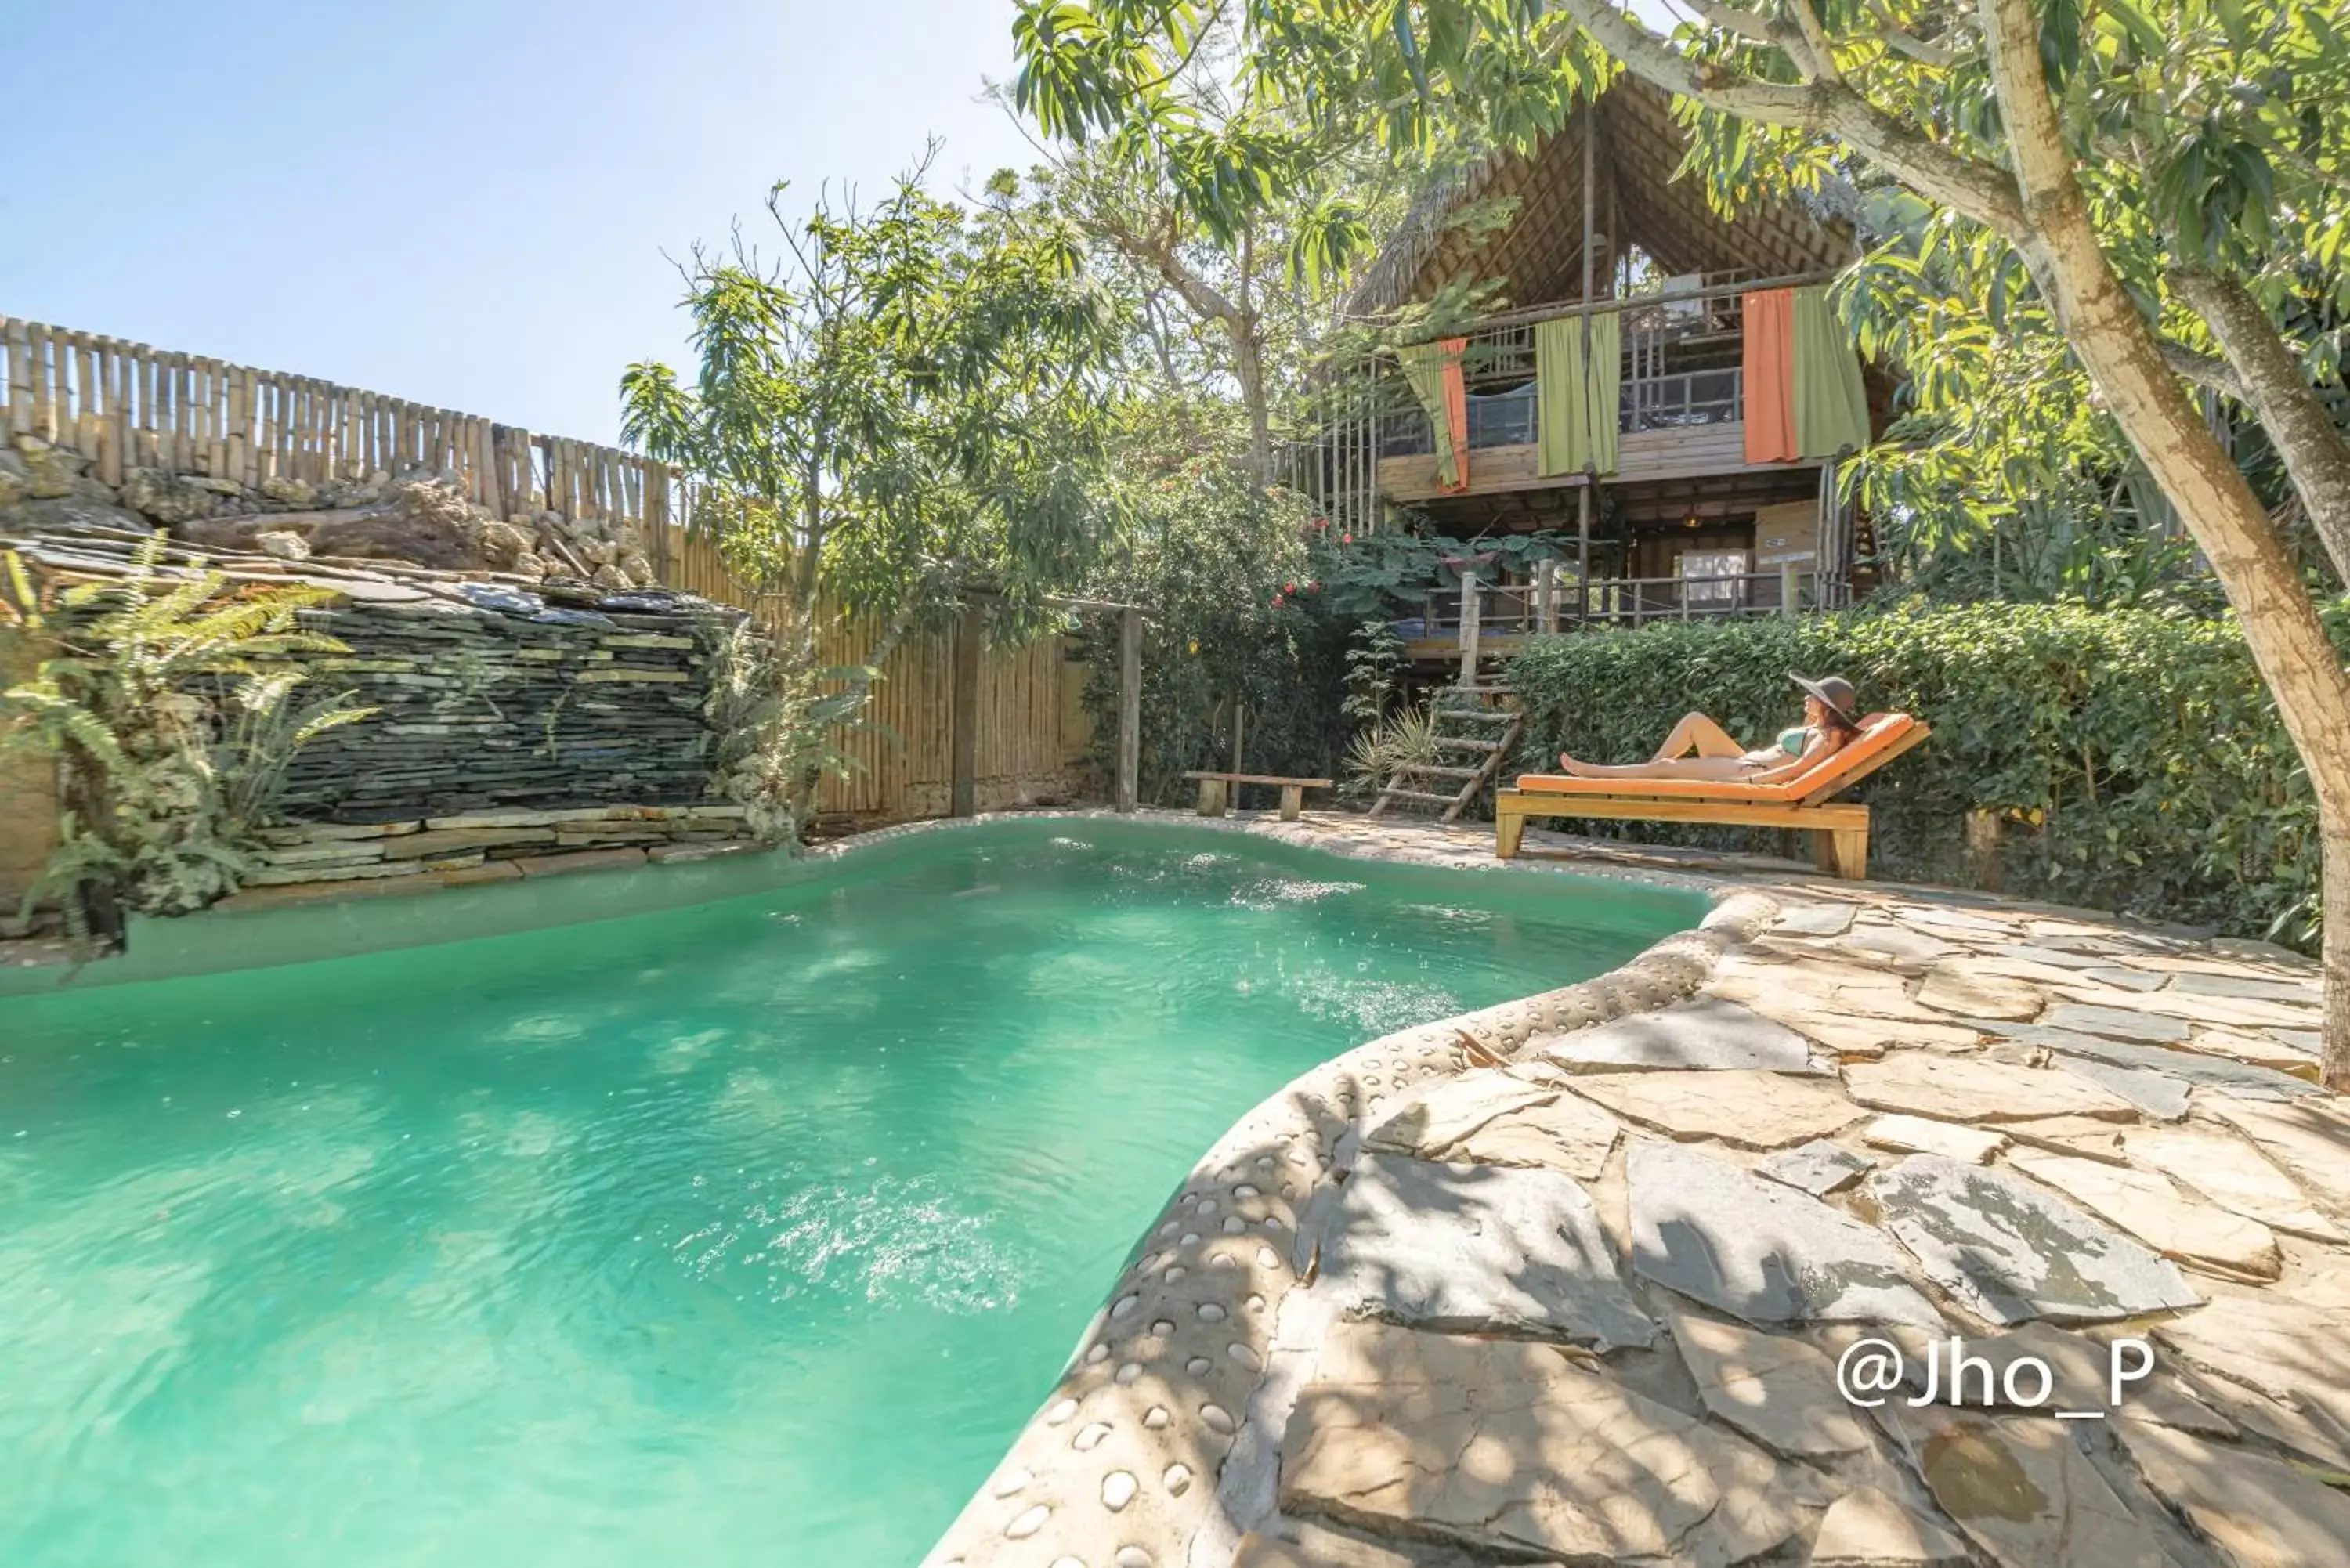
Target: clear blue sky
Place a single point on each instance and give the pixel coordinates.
(464, 203)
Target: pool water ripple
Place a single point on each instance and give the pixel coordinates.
(747, 1231)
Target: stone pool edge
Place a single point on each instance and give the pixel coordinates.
(1158, 1446)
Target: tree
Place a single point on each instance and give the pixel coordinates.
(1243, 210)
(912, 405)
(2162, 176)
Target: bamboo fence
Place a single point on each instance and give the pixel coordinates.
(1032, 726)
(126, 406)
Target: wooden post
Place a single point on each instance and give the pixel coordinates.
(1240, 730)
(1582, 552)
(1130, 709)
(970, 640)
(1790, 588)
(1468, 628)
(1590, 157)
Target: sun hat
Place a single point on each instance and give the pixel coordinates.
(1833, 690)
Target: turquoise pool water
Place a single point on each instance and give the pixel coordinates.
(747, 1233)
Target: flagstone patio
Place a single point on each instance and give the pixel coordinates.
(1568, 1281)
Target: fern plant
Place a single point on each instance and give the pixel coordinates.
(167, 699)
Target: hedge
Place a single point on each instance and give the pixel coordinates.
(2137, 755)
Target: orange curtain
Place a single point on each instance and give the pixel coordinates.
(1770, 363)
(1456, 409)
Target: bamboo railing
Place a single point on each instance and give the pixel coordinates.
(126, 406)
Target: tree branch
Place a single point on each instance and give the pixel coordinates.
(1975, 190)
(2204, 369)
(2316, 456)
(1815, 42)
(1731, 19)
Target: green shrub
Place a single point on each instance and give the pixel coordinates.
(2135, 754)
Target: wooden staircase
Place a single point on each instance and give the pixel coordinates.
(1477, 727)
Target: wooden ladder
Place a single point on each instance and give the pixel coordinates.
(1478, 723)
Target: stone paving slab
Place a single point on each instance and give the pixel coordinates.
(1476, 1248)
(1759, 1249)
(2159, 1095)
(2117, 1024)
(2258, 1511)
(2310, 1140)
(1819, 1168)
(1706, 1033)
(2012, 1252)
(2024, 1493)
(2227, 1170)
(1492, 1117)
(1511, 1448)
(1749, 1109)
(1965, 1089)
(1774, 1387)
(2179, 1225)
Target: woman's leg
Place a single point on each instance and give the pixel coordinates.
(1664, 768)
(1695, 733)
(1698, 733)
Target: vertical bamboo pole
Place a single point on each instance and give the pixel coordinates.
(236, 421)
(216, 414)
(20, 378)
(91, 439)
(110, 429)
(44, 419)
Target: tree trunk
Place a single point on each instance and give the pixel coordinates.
(2316, 456)
(2334, 900)
(1248, 369)
(2114, 343)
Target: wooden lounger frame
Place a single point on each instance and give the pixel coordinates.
(1839, 830)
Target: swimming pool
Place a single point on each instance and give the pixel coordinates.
(751, 1232)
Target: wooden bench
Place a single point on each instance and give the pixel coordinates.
(1806, 802)
(1214, 791)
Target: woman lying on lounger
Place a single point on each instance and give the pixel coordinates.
(1827, 725)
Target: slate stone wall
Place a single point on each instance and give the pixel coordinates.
(493, 698)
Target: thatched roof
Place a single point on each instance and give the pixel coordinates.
(1539, 255)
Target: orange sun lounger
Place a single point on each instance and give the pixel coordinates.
(1806, 801)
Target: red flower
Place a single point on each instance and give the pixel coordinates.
(1345, 539)
(1289, 588)
(1312, 587)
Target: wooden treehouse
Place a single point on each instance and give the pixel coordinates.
(1661, 385)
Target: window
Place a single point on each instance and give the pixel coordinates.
(1712, 576)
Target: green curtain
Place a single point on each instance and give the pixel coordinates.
(1831, 405)
(1577, 390)
(1423, 367)
(1605, 387)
